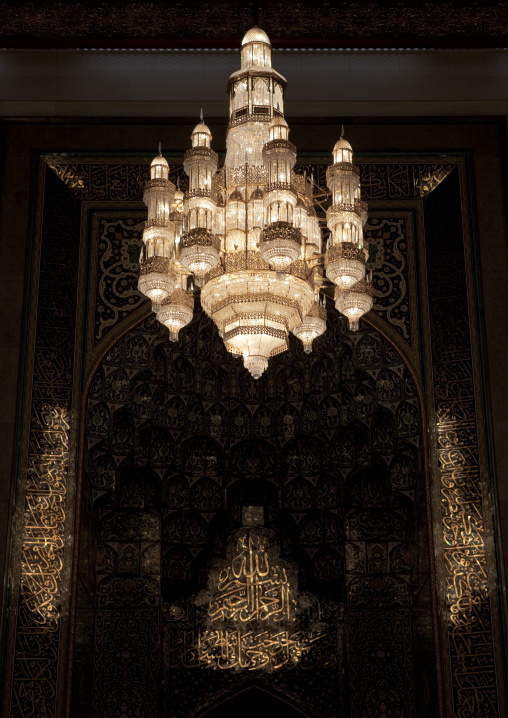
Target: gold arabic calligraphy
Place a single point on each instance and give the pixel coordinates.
(42, 557)
(252, 591)
(226, 649)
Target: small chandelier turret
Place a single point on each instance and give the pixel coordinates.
(248, 233)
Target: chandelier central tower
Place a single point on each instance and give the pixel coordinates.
(248, 232)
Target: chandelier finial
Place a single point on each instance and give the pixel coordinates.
(160, 149)
(342, 132)
(201, 118)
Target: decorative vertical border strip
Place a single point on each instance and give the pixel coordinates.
(464, 538)
(410, 211)
(18, 519)
(439, 646)
(41, 549)
(94, 216)
(486, 479)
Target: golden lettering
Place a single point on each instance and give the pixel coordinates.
(42, 557)
(251, 589)
(226, 649)
(252, 614)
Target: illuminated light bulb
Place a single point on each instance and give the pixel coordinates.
(178, 201)
(312, 327)
(345, 264)
(176, 312)
(355, 302)
(256, 343)
(342, 152)
(199, 252)
(280, 245)
(156, 281)
(255, 365)
(159, 168)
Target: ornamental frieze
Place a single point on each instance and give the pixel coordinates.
(328, 24)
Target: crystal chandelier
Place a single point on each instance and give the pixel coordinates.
(248, 233)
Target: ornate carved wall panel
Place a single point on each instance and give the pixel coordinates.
(381, 650)
(175, 437)
(119, 248)
(126, 649)
(317, 435)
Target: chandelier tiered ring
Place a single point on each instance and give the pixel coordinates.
(249, 233)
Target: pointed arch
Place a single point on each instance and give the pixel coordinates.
(250, 703)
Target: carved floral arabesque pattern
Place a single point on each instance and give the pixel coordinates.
(125, 638)
(387, 242)
(119, 239)
(427, 21)
(120, 243)
(383, 644)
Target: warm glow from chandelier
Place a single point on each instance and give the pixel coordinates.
(248, 233)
